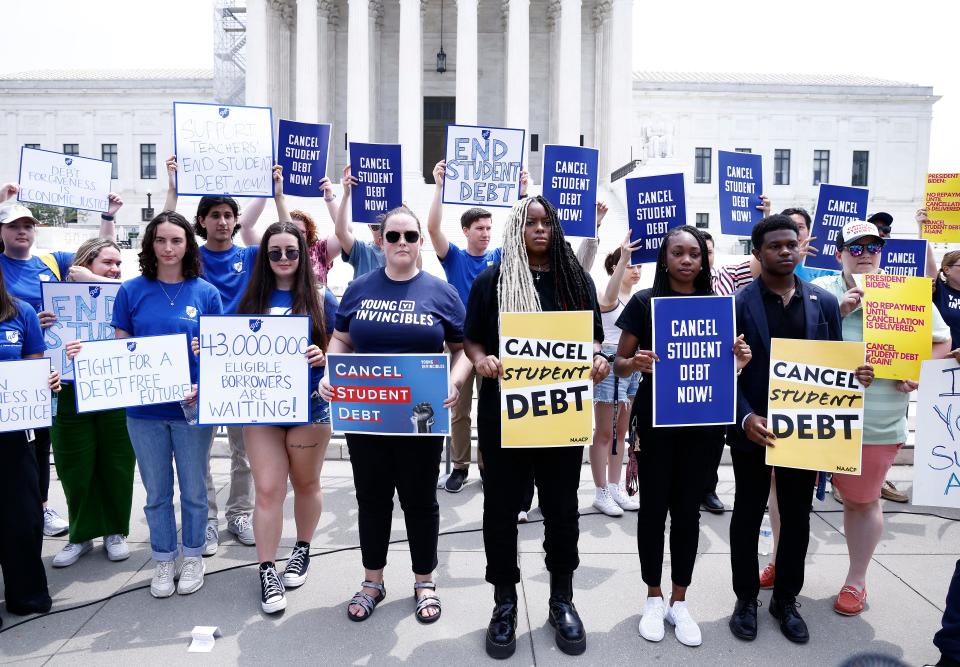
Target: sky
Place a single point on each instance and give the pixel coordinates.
(909, 42)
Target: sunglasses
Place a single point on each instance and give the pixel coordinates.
(276, 255)
(408, 236)
(856, 249)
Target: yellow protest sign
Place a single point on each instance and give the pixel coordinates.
(815, 405)
(942, 201)
(546, 394)
(897, 324)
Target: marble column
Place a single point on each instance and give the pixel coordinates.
(306, 88)
(358, 76)
(518, 67)
(410, 98)
(466, 62)
(324, 36)
(618, 62)
(256, 54)
(568, 79)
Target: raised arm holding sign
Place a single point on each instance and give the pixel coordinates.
(302, 152)
(655, 205)
(570, 184)
(379, 180)
(483, 165)
(68, 181)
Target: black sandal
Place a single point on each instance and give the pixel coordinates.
(366, 601)
(428, 600)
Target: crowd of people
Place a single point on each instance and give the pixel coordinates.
(284, 270)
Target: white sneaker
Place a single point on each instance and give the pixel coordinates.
(651, 623)
(522, 517)
(212, 538)
(53, 523)
(686, 629)
(606, 504)
(626, 502)
(116, 546)
(242, 529)
(191, 575)
(161, 586)
(71, 553)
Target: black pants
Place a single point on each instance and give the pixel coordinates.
(713, 457)
(672, 464)
(947, 638)
(21, 527)
(41, 446)
(794, 495)
(409, 465)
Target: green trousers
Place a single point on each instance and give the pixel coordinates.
(95, 464)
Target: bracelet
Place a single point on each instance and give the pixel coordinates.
(608, 357)
(108, 218)
(331, 198)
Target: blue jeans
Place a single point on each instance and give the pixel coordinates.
(158, 444)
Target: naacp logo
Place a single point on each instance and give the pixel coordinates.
(131, 346)
(485, 134)
(13, 336)
(68, 161)
(239, 267)
(224, 112)
(94, 292)
(255, 325)
(191, 312)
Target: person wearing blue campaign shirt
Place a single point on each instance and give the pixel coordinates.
(362, 256)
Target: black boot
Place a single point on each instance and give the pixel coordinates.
(570, 636)
(502, 631)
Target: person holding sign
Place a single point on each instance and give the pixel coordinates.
(364, 257)
(538, 273)
(92, 451)
(859, 248)
(946, 295)
(398, 309)
(673, 463)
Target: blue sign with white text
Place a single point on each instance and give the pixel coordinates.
(836, 206)
(655, 205)
(570, 184)
(904, 257)
(303, 156)
(379, 185)
(740, 179)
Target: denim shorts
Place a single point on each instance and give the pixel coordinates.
(319, 409)
(626, 387)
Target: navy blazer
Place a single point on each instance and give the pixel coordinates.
(822, 314)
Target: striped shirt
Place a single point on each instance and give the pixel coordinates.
(728, 279)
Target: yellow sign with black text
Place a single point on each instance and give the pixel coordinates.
(942, 201)
(897, 324)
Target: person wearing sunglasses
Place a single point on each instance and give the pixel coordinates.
(397, 309)
(859, 248)
(363, 256)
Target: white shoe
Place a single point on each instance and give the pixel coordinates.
(242, 529)
(53, 524)
(116, 546)
(626, 502)
(651, 623)
(686, 629)
(71, 553)
(161, 586)
(606, 504)
(272, 594)
(191, 575)
(212, 538)
(522, 517)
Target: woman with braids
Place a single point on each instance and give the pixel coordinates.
(672, 462)
(539, 272)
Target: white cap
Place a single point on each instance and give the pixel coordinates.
(11, 211)
(856, 230)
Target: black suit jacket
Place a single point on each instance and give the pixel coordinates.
(822, 314)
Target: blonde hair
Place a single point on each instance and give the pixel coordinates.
(90, 249)
(515, 290)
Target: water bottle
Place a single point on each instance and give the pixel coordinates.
(766, 536)
(53, 404)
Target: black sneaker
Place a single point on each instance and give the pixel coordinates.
(295, 573)
(454, 483)
(272, 597)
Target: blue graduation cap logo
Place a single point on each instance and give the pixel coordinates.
(68, 161)
(224, 112)
(131, 346)
(255, 325)
(94, 292)
(485, 134)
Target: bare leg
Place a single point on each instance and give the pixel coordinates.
(600, 450)
(862, 528)
(306, 447)
(270, 468)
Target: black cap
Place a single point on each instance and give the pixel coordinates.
(881, 218)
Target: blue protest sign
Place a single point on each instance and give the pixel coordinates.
(303, 155)
(570, 184)
(379, 181)
(695, 381)
(83, 311)
(904, 257)
(655, 204)
(836, 206)
(741, 183)
(390, 394)
(483, 165)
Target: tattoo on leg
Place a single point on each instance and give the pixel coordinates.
(294, 445)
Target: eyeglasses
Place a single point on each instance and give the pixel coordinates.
(408, 236)
(276, 255)
(856, 249)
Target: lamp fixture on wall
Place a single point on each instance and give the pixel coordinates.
(441, 56)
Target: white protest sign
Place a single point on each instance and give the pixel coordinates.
(936, 454)
(253, 369)
(483, 165)
(25, 394)
(129, 372)
(223, 150)
(68, 181)
(83, 311)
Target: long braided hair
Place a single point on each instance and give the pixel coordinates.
(661, 280)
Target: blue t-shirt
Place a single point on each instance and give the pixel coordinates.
(462, 268)
(143, 309)
(281, 301)
(809, 273)
(364, 257)
(413, 316)
(229, 271)
(22, 277)
(947, 301)
(20, 336)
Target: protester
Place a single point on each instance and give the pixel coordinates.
(538, 272)
(805, 225)
(363, 256)
(92, 451)
(947, 638)
(384, 464)
(672, 462)
(946, 294)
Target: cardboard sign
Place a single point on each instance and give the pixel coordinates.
(570, 184)
(546, 394)
(84, 312)
(379, 180)
(936, 449)
(655, 205)
(815, 405)
(253, 370)
(695, 381)
(25, 395)
(741, 184)
(129, 372)
(904, 257)
(223, 150)
(483, 165)
(302, 153)
(395, 394)
(836, 206)
(897, 324)
(68, 181)
(942, 201)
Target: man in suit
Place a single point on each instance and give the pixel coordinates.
(776, 305)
